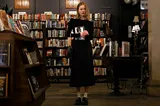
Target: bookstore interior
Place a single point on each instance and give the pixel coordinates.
(34, 48)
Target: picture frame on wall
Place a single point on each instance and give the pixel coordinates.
(144, 5)
(72, 4)
(21, 4)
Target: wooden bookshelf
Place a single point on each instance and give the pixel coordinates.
(19, 92)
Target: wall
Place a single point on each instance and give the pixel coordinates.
(10, 3)
(58, 6)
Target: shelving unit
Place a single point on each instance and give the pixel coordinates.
(101, 35)
(20, 85)
(56, 53)
(55, 39)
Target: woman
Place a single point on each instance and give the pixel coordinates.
(82, 74)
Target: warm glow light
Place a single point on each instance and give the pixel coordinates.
(76, 2)
(22, 4)
(72, 3)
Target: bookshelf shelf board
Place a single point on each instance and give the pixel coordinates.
(40, 91)
(97, 57)
(99, 66)
(38, 39)
(36, 29)
(5, 67)
(99, 37)
(32, 65)
(99, 28)
(36, 20)
(56, 47)
(67, 77)
(57, 57)
(59, 77)
(100, 76)
(57, 28)
(57, 66)
(5, 97)
(56, 37)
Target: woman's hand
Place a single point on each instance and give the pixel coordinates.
(84, 33)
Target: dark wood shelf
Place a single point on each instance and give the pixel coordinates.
(35, 20)
(56, 28)
(98, 57)
(18, 88)
(5, 67)
(56, 47)
(5, 97)
(101, 28)
(32, 65)
(57, 66)
(57, 57)
(56, 38)
(38, 39)
(40, 91)
(98, 66)
(36, 29)
(59, 77)
(99, 37)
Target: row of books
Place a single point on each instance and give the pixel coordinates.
(57, 52)
(98, 23)
(98, 33)
(112, 49)
(65, 16)
(57, 62)
(56, 33)
(37, 34)
(98, 42)
(59, 72)
(56, 43)
(7, 23)
(35, 24)
(99, 71)
(97, 62)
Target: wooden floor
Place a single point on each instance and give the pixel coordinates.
(63, 95)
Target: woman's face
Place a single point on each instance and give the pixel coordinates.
(82, 11)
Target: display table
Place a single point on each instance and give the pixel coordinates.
(123, 67)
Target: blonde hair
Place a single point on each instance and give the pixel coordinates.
(87, 10)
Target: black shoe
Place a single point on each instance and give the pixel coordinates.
(78, 101)
(84, 101)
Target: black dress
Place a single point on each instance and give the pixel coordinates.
(82, 73)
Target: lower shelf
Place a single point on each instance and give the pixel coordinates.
(39, 92)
